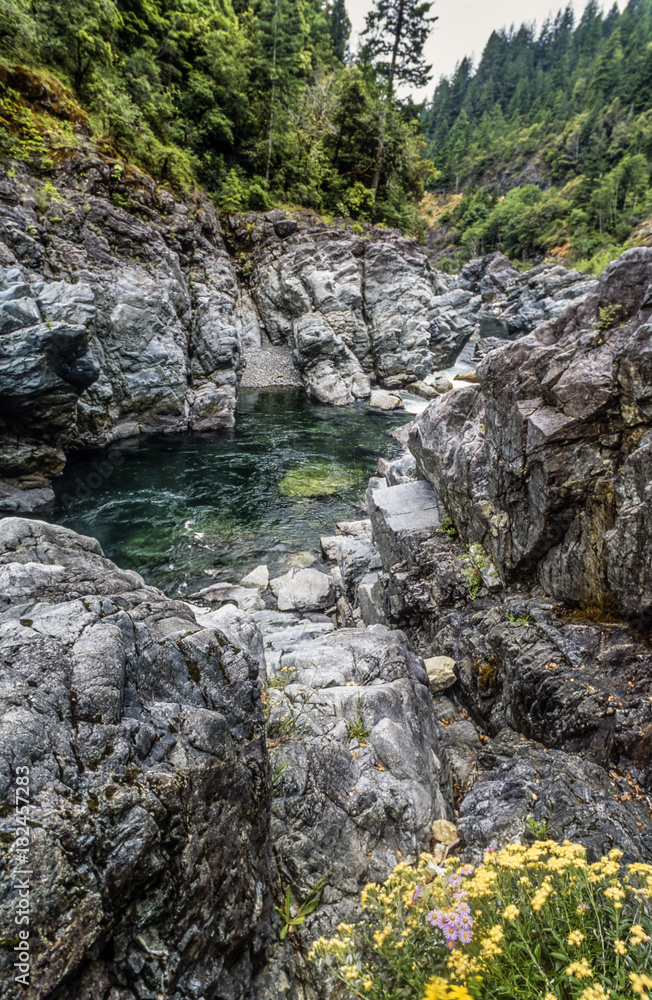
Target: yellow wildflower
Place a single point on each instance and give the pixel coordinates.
(495, 934)
(511, 912)
(641, 984)
(439, 989)
(575, 937)
(581, 970)
(619, 948)
(550, 996)
(594, 992)
(637, 935)
(541, 895)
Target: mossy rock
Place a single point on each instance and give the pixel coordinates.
(316, 479)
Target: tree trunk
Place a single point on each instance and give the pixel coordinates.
(271, 108)
(380, 154)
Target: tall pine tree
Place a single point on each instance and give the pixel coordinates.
(396, 32)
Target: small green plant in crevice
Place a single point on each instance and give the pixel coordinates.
(518, 619)
(446, 527)
(358, 729)
(281, 680)
(284, 729)
(473, 581)
(277, 777)
(309, 905)
(540, 831)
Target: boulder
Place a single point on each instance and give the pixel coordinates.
(441, 673)
(423, 389)
(547, 465)
(355, 529)
(259, 577)
(570, 798)
(380, 399)
(364, 777)
(246, 598)
(143, 736)
(123, 342)
(438, 382)
(303, 590)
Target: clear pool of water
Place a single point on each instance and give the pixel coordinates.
(186, 510)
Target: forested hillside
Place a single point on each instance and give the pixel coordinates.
(560, 124)
(257, 100)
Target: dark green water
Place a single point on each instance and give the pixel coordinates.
(175, 507)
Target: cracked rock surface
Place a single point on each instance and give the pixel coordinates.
(149, 790)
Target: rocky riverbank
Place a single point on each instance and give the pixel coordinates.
(469, 663)
(191, 762)
(126, 311)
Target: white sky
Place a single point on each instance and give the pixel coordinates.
(464, 27)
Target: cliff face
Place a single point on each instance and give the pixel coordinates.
(547, 465)
(119, 314)
(144, 739)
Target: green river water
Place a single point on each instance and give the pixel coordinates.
(187, 511)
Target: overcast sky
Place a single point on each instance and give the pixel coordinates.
(464, 27)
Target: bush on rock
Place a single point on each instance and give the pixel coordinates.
(537, 923)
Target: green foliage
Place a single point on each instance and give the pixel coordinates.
(530, 922)
(551, 137)
(447, 528)
(309, 905)
(395, 34)
(518, 619)
(540, 830)
(358, 729)
(251, 99)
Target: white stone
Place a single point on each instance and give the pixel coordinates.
(382, 400)
(259, 577)
(441, 672)
(445, 832)
(303, 590)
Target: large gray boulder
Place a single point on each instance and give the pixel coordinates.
(547, 464)
(521, 781)
(143, 734)
(352, 308)
(362, 777)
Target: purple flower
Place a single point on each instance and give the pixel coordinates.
(466, 870)
(417, 893)
(451, 938)
(455, 879)
(464, 907)
(459, 894)
(465, 935)
(492, 848)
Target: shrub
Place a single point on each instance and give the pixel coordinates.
(537, 923)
